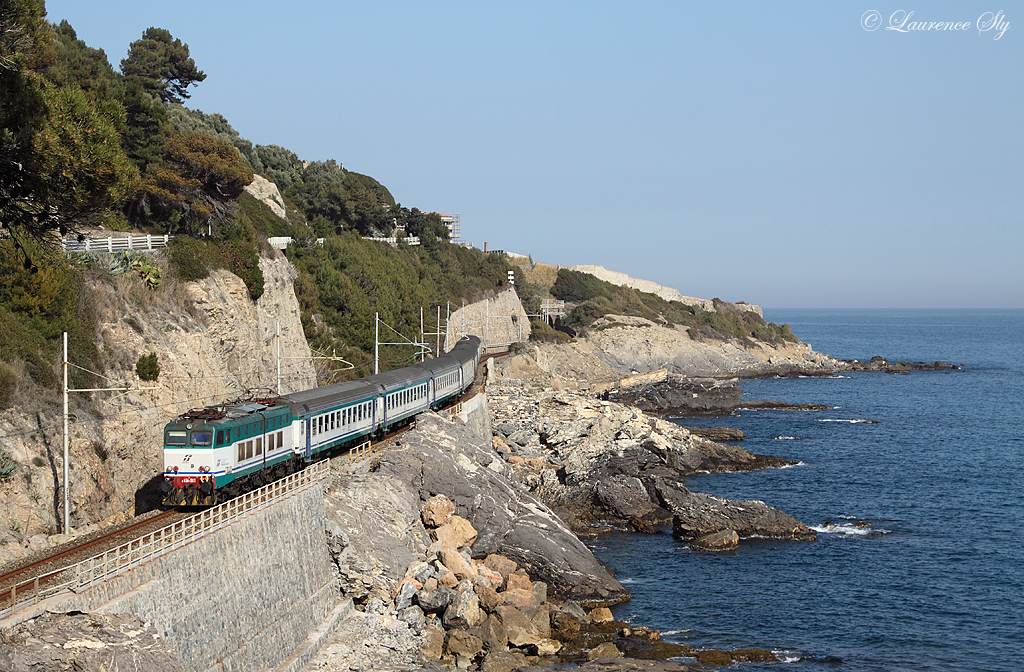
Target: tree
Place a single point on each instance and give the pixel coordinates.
(162, 65)
(198, 176)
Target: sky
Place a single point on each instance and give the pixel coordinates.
(786, 154)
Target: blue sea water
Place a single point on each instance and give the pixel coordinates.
(936, 580)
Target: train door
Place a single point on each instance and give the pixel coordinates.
(309, 447)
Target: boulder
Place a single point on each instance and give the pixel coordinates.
(605, 650)
(548, 647)
(518, 627)
(500, 564)
(437, 511)
(492, 633)
(457, 564)
(518, 580)
(714, 658)
(503, 661)
(519, 598)
(435, 601)
(433, 642)
(458, 532)
(489, 598)
(717, 541)
(464, 611)
(461, 643)
(601, 615)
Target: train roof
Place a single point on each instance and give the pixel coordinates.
(399, 378)
(331, 396)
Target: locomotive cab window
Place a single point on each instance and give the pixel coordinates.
(177, 437)
(202, 437)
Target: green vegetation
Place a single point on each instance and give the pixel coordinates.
(596, 298)
(347, 280)
(7, 465)
(147, 367)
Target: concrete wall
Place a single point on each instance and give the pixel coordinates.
(477, 416)
(258, 594)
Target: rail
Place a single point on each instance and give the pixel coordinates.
(115, 243)
(148, 547)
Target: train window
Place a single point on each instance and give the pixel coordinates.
(280, 439)
(248, 449)
(202, 437)
(177, 437)
(259, 445)
(220, 437)
(241, 452)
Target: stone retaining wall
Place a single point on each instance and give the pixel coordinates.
(250, 597)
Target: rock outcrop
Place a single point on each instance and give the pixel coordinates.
(266, 192)
(86, 642)
(380, 531)
(596, 461)
(667, 393)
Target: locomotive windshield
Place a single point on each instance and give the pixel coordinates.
(202, 438)
(177, 437)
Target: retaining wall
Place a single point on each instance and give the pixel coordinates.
(258, 594)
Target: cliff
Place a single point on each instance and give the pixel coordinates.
(212, 342)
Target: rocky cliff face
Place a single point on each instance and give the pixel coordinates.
(212, 342)
(618, 346)
(498, 321)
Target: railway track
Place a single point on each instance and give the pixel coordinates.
(36, 573)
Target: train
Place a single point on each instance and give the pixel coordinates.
(212, 454)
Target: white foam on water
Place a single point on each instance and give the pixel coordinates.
(849, 529)
(788, 656)
(674, 632)
(790, 466)
(858, 421)
(788, 438)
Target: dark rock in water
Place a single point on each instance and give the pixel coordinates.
(81, 641)
(636, 648)
(753, 656)
(667, 393)
(642, 526)
(717, 433)
(714, 658)
(783, 406)
(696, 515)
(883, 365)
(717, 541)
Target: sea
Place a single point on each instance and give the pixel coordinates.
(919, 560)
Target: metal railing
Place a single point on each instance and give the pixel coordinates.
(115, 243)
(393, 241)
(127, 556)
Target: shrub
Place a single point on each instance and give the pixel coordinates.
(147, 367)
(7, 382)
(7, 465)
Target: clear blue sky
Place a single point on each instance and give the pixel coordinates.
(769, 152)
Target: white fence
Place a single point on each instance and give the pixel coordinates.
(120, 243)
(143, 549)
(393, 242)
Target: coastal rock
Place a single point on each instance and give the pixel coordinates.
(696, 515)
(878, 363)
(718, 434)
(605, 650)
(440, 455)
(673, 394)
(717, 541)
(598, 460)
(437, 511)
(81, 641)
